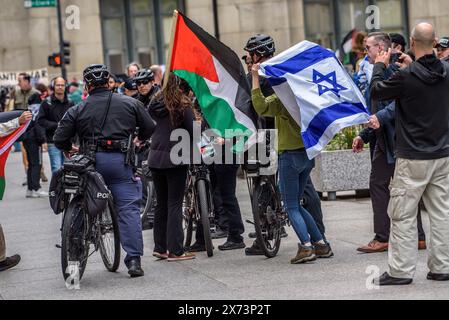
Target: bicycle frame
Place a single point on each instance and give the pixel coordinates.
(197, 173)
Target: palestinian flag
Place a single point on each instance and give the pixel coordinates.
(346, 46)
(5, 145)
(216, 76)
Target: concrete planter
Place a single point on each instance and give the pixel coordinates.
(341, 171)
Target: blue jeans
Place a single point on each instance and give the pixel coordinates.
(127, 193)
(294, 171)
(56, 157)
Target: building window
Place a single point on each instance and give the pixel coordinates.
(328, 21)
(136, 30)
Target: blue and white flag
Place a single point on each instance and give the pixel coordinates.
(317, 91)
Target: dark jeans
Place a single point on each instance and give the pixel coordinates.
(381, 175)
(312, 204)
(170, 186)
(34, 157)
(224, 177)
(127, 192)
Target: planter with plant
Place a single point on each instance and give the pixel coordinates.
(338, 168)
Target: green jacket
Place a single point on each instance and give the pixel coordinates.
(289, 132)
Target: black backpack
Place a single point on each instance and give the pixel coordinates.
(96, 194)
(78, 177)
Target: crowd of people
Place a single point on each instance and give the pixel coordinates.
(408, 134)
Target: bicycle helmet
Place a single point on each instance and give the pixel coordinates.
(261, 44)
(96, 74)
(144, 74)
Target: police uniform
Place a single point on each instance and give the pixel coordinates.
(124, 115)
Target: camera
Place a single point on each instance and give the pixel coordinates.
(395, 57)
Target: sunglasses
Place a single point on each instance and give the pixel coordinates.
(144, 82)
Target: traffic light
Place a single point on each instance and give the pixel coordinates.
(54, 60)
(66, 52)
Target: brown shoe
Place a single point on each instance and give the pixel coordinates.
(422, 245)
(323, 250)
(161, 256)
(185, 256)
(305, 254)
(374, 247)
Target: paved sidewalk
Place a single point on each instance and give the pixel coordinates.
(32, 230)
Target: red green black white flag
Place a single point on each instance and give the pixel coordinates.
(216, 76)
(5, 146)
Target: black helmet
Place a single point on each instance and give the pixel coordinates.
(261, 44)
(130, 84)
(96, 74)
(144, 74)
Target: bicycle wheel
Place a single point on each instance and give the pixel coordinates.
(75, 245)
(203, 206)
(149, 185)
(109, 238)
(187, 217)
(268, 228)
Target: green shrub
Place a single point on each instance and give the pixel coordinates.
(343, 140)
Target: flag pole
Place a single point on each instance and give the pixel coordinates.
(170, 48)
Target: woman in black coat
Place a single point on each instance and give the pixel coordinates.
(171, 108)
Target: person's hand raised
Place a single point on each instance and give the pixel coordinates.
(384, 57)
(25, 117)
(404, 61)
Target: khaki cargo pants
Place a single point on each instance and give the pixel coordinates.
(412, 180)
(2, 245)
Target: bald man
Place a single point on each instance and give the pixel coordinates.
(157, 71)
(422, 149)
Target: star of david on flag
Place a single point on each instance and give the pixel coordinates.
(330, 78)
(317, 91)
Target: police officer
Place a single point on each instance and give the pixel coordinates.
(146, 86)
(120, 115)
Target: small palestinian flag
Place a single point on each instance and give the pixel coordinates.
(346, 46)
(216, 76)
(5, 146)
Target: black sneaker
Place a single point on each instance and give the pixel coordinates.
(196, 247)
(229, 245)
(9, 262)
(219, 234)
(134, 268)
(254, 250)
(284, 234)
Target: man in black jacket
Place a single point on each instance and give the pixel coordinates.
(104, 123)
(383, 160)
(51, 112)
(422, 150)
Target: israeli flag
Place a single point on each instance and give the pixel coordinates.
(317, 91)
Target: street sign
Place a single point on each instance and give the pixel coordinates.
(39, 3)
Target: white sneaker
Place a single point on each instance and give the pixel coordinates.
(41, 193)
(29, 194)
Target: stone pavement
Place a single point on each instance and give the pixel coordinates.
(32, 230)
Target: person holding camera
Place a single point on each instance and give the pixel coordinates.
(104, 123)
(421, 92)
(383, 160)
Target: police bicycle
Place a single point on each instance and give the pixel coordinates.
(198, 207)
(85, 232)
(268, 213)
